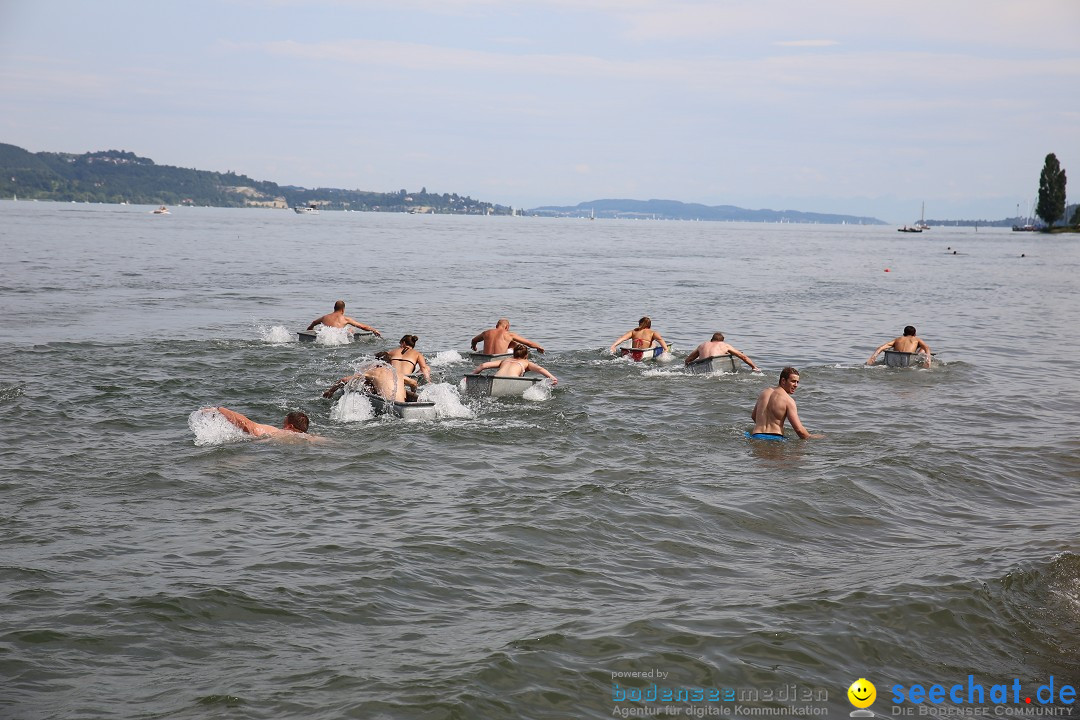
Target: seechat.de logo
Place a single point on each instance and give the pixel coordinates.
(862, 694)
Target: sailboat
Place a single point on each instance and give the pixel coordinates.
(1029, 226)
(917, 227)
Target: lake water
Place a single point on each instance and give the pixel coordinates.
(525, 558)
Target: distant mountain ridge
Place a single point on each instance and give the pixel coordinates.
(115, 176)
(675, 210)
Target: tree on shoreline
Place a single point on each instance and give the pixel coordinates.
(1051, 191)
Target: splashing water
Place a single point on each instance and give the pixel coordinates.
(445, 357)
(352, 406)
(539, 392)
(211, 428)
(446, 399)
(332, 336)
(276, 334)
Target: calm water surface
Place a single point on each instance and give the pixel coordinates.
(509, 558)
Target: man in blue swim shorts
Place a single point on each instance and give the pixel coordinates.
(775, 405)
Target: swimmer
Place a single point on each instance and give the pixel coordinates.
(909, 342)
(295, 426)
(382, 380)
(338, 319)
(717, 346)
(516, 366)
(643, 336)
(499, 340)
(774, 406)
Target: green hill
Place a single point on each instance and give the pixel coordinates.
(114, 176)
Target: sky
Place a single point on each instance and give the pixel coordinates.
(861, 107)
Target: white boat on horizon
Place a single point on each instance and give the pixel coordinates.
(310, 209)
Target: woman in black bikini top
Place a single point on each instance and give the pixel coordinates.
(406, 353)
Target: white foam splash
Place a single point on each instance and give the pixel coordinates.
(352, 407)
(211, 428)
(325, 335)
(663, 372)
(665, 357)
(447, 401)
(445, 357)
(277, 334)
(539, 392)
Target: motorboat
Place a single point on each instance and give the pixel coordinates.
(309, 209)
(161, 211)
(499, 385)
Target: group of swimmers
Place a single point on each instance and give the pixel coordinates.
(775, 406)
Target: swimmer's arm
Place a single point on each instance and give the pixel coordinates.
(624, 336)
(659, 339)
(692, 356)
(485, 366)
(411, 382)
(362, 326)
(514, 337)
(797, 426)
(745, 359)
(536, 368)
(240, 421)
(339, 384)
(878, 352)
(925, 349)
(422, 361)
(314, 322)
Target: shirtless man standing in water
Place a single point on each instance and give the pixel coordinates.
(909, 342)
(338, 319)
(774, 406)
(499, 339)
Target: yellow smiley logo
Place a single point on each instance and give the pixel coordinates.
(862, 693)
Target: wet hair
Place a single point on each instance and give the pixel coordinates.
(503, 322)
(909, 330)
(409, 340)
(298, 420)
(788, 372)
(339, 306)
(718, 337)
(521, 351)
(645, 322)
(382, 355)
